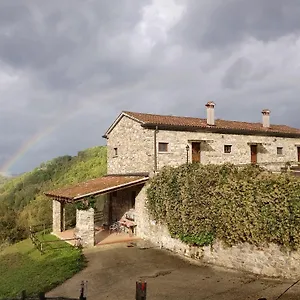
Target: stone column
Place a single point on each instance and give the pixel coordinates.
(58, 211)
(142, 219)
(85, 227)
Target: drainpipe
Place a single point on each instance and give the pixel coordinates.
(155, 149)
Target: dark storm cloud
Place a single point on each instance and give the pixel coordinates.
(223, 23)
(75, 64)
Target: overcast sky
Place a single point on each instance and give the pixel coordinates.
(68, 67)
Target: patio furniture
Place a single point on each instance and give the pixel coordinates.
(115, 227)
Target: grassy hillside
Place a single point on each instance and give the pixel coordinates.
(3, 179)
(22, 202)
(24, 268)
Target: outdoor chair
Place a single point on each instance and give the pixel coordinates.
(115, 227)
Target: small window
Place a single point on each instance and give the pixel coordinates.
(227, 148)
(163, 147)
(279, 150)
(115, 151)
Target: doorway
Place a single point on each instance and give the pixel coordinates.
(196, 152)
(133, 196)
(253, 154)
(298, 153)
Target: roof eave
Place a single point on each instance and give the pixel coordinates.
(111, 189)
(70, 199)
(58, 198)
(215, 129)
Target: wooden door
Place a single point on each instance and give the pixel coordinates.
(196, 152)
(253, 154)
(298, 150)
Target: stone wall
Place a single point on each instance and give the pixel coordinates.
(267, 261)
(122, 201)
(212, 150)
(85, 227)
(134, 145)
(136, 148)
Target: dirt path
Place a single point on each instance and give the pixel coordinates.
(113, 270)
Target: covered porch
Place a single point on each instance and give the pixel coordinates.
(105, 209)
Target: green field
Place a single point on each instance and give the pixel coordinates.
(23, 267)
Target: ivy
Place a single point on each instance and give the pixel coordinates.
(200, 203)
(202, 239)
(86, 203)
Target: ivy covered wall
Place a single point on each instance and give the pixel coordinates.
(203, 203)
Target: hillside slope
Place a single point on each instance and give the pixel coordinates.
(24, 268)
(3, 179)
(22, 202)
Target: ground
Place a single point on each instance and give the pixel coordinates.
(113, 270)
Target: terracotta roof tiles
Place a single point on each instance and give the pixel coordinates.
(197, 123)
(96, 186)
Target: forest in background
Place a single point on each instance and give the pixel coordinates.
(22, 200)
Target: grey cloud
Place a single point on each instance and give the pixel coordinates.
(237, 74)
(220, 24)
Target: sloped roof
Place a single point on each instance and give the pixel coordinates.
(197, 123)
(96, 186)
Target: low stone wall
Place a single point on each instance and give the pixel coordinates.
(267, 261)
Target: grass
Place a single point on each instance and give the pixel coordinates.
(23, 267)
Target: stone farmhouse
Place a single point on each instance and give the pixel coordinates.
(139, 145)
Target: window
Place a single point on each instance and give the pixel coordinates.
(115, 151)
(227, 148)
(163, 147)
(279, 150)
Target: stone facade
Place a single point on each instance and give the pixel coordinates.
(85, 228)
(212, 150)
(268, 261)
(131, 150)
(123, 201)
(58, 215)
(135, 148)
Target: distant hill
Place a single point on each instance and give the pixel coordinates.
(22, 202)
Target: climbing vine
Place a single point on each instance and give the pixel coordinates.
(86, 203)
(201, 203)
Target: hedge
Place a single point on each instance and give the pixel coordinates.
(201, 203)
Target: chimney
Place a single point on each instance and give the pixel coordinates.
(210, 108)
(266, 118)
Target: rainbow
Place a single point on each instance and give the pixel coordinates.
(28, 144)
(25, 147)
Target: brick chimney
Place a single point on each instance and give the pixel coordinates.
(266, 118)
(210, 108)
